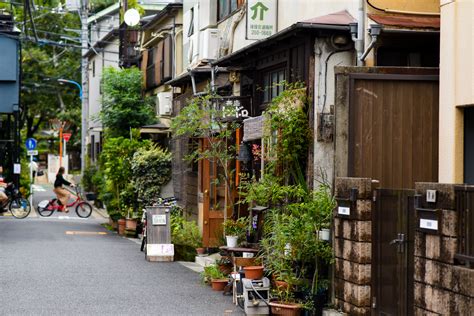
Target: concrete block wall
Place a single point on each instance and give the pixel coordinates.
(441, 288)
(353, 246)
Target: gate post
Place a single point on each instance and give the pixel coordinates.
(353, 244)
(442, 286)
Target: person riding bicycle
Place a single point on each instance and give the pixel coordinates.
(3, 186)
(61, 193)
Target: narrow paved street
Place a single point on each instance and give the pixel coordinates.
(67, 266)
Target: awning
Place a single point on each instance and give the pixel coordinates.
(427, 22)
(159, 128)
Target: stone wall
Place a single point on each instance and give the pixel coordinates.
(352, 245)
(441, 288)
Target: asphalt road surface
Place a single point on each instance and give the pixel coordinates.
(69, 266)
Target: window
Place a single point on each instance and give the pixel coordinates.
(150, 68)
(227, 7)
(191, 23)
(272, 84)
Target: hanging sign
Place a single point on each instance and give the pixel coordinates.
(261, 19)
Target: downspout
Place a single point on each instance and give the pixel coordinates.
(360, 41)
(173, 48)
(193, 81)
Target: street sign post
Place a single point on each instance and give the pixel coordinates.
(66, 138)
(31, 146)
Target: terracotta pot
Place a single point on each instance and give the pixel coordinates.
(253, 272)
(131, 224)
(121, 226)
(200, 251)
(281, 285)
(286, 309)
(219, 284)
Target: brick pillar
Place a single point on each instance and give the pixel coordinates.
(441, 288)
(353, 246)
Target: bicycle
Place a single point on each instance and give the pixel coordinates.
(47, 207)
(18, 206)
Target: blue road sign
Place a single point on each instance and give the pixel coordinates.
(30, 143)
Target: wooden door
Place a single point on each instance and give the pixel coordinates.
(214, 200)
(393, 133)
(393, 252)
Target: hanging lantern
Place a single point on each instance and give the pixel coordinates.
(245, 155)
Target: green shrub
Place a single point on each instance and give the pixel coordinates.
(151, 169)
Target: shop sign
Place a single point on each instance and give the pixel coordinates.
(261, 19)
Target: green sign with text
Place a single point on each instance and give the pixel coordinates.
(261, 18)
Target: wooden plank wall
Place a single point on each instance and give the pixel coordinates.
(394, 131)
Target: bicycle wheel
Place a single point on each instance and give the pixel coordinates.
(83, 209)
(45, 208)
(20, 207)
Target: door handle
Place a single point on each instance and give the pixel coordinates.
(400, 242)
(206, 192)
(205, 222)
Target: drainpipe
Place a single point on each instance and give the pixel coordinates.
(213, 68)
(374, 33)
(357, 32)
(193, 81)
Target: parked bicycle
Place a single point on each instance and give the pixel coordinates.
(83, 209)
(171, 201)
(18, 206)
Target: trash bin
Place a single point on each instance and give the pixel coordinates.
(159, 246)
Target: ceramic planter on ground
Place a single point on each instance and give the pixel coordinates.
(121, 226)
(200, 251)
(253, 272)
(285, 309)
(219, 284)
(131, 224)
(231, 241)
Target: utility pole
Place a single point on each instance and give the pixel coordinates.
(85, 83)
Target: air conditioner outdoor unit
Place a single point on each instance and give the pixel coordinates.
(209, 48)
(164, 105)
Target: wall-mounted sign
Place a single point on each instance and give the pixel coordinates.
(233, 107)
(261, 18)
(342, 210)
(158, 219)
(428, 224)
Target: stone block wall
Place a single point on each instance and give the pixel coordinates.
(441, 288)
(353, 246)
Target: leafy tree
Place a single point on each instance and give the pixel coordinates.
(203, 118)
(116, 166)
(123, 106)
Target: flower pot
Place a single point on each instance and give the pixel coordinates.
(286, 309)
(121, 226)
(324, 234)
(253, 272)
(200, 251)
(219, 284)
(131, 224)
(281, 286)
(231, 241)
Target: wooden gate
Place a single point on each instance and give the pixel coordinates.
(393, 226)
(393, 128)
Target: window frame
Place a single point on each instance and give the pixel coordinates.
(237, 4)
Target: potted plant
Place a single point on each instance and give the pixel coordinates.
(235, 230)
(215, 277)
